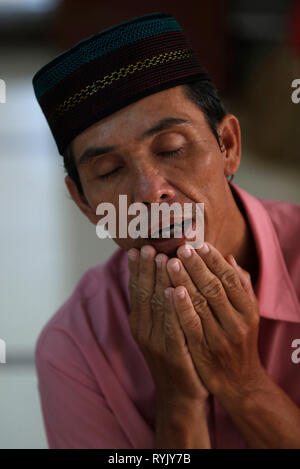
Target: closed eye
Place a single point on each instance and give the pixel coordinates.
(171, 152)
(164, 153)
(108, 175)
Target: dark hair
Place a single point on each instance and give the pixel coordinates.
(203, 93)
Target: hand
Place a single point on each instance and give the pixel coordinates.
(156, 329)
(219, 315)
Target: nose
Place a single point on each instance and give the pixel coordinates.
(151, 186)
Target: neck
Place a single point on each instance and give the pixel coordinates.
(240, 239)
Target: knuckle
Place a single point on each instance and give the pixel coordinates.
(254, 320)
(156, 302)
(214, 263)
(169, 329)
(132, 286)
(205, 314)
(143, 294)
(212, 289)
(230, 279)
(240, 334)
(192, 322)
(199, 303)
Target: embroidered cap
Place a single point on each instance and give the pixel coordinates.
(112, 69)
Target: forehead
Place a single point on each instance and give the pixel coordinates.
(130, 122)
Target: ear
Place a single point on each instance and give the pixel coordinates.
(81, 201)
(230, 139)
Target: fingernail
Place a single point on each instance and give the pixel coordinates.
(234, 261)
(204, 249)
(186, 252)
(158, 262)
(145, 251)
(175, 266)
(132, 255)
(180, 293)
(167, 293)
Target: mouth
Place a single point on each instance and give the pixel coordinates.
(174, 230)
(169, 245)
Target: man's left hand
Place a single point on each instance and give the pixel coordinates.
(218, 299)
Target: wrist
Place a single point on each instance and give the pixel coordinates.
(181, 423)
(241, 399)
(180, 404)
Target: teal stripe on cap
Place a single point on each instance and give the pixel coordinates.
(102, 45)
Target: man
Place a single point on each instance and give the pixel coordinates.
(166, 346)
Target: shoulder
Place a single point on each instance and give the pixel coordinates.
(285, 218)
(67, 338)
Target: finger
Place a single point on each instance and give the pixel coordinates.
(162, 281)
(210, 288)
(173, 333)
(229, 278)
(133, 265)
(244, 276)
(189, 320)
(180, 277)
(146, 282)
(247, 285)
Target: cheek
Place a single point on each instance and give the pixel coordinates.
(202, 176)
(205, 183)
(96, 193)
(109, 207)
(204, 166)
(211, 165)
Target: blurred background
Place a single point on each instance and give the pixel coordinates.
(252, 50)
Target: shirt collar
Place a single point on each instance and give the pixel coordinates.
(274, 289)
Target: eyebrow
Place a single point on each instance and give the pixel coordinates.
(164, 124)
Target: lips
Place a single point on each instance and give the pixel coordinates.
(176, 227)
(167, 231)
(170, 245)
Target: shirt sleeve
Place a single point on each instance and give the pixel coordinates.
(75, 412)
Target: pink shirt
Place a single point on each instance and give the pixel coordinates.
(95, 387)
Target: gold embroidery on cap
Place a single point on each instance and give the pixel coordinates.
(93, 88)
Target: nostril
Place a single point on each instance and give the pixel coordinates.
(161, 197)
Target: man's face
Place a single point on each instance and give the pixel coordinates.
(159, 149)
